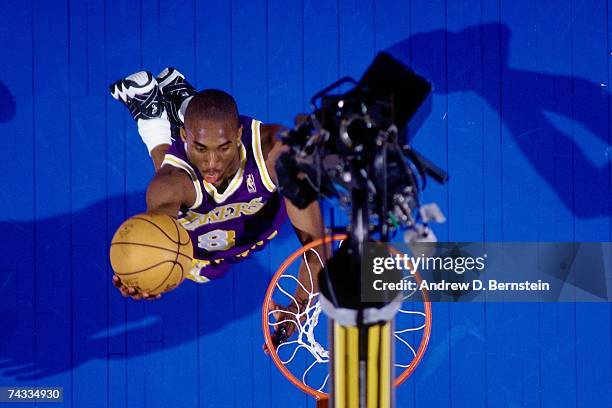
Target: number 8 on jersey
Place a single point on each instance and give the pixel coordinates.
(217, 240)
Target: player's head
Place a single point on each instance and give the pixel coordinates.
(212, 135)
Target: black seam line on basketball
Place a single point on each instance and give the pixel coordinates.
(148, 267)
(150, 246)
(167, 276)
(163, 232)
(178, 248)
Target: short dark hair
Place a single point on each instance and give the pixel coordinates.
(213, 104)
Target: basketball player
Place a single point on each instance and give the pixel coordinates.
(217, 176)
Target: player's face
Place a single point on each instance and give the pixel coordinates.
(214, 148)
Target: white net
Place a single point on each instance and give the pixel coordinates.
(299, 327)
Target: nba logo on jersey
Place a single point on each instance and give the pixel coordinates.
(251, 184)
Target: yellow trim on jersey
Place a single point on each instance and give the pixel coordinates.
(183, 165)
(243, 254)
(233, 185)
(196, 266)
(259, 158)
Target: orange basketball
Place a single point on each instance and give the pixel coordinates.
(151, 252)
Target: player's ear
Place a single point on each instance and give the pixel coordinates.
(239, 140)
(183, 135)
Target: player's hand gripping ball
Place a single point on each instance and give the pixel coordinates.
(151, 253)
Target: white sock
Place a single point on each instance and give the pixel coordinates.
(184, 108)
(155, 132)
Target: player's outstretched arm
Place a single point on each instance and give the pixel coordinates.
(308, 225)
(170, 189)
(307, 222)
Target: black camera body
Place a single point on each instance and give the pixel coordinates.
(356, 141)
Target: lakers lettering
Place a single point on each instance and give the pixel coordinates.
(193, 220)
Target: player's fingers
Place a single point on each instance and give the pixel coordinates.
(275, 309)
(283, 313)
(124, 291)
(116, 281)
(290, 329)
(131, 290)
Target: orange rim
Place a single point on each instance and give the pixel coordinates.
(268, 337)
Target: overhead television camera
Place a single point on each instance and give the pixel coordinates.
(356, 141)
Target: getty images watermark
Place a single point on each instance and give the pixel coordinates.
(489, 272)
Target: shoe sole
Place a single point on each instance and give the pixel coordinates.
(168, 78)
(126, 88)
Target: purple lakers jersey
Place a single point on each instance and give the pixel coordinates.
(226, 226)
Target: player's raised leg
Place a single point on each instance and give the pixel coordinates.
(177, 93)
(140, 93)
